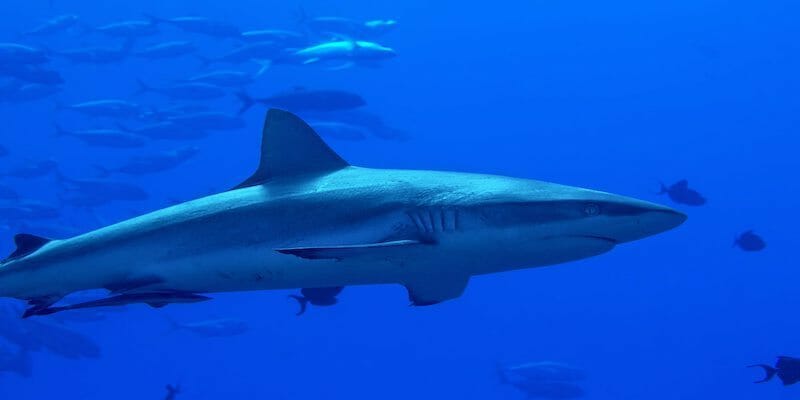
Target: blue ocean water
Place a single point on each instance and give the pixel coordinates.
(612, 96)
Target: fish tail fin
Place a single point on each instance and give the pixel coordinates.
(265, 65)
(142, 87)
(768, 370)
(246, 101)
(302, 301)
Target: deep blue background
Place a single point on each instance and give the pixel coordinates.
(608, 95)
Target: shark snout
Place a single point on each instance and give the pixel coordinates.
(634, 220)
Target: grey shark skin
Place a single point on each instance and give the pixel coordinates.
(306, 218)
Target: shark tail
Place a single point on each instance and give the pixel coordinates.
(302, 301)
(246, 101)
(768, 370)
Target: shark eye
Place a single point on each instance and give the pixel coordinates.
(591, 209)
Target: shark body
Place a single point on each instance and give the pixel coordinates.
(306, 218)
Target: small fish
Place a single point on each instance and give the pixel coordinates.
(345, 27)
(155, 299)
(96, 192)
(286, 39)
(109, 108)
(253, 52)
(750, 241)
(27, 210)
(209, 121)
(54, 25)
(213, 328)
(682, 194)
(128, 29)
(19, 92)
(31, 73)
(200, 25)
(105, 138)
(167, 130)
(160, 162)
(15, 53)
(786, 368)
(302, 99)
(98, 55)
(225, 78)
(167, 50)
(325, 296)
(339, 130)
(33, 169)
(347, 52)
(186, 91)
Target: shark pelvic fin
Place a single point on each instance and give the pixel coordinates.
(289, 147)
(27, 244)
(347, 251)
(436, 287)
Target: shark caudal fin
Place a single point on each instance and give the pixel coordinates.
(291, 148)
(770, 372)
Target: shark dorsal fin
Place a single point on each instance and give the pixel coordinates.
(27, 244)
(289, 147)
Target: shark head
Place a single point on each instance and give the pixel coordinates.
(533, 223)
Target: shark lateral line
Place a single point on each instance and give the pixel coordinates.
(308, 219)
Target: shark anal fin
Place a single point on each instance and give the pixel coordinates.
(346, 251)
(436, 287)
(27, 244)
(289, 147)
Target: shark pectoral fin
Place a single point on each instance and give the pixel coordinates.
(290, 148)
(346, 251)
(433, 288)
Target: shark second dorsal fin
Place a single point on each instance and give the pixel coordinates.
(289, 147)
(27, 244)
